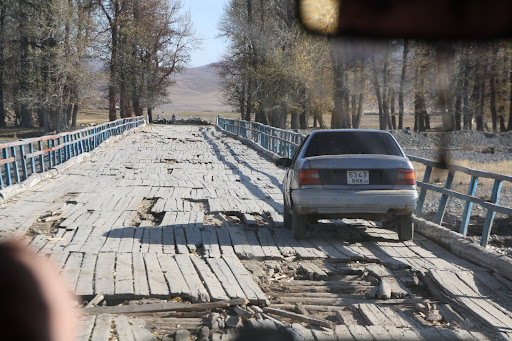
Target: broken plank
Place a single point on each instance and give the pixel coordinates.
(166, 306)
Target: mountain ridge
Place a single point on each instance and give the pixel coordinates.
(196, 89)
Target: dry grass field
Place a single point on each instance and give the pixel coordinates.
(439, 175)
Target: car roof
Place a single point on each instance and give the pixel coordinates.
(350, 131)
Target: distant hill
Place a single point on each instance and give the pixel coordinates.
(196, 89)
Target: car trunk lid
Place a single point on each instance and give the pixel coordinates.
(358, 171)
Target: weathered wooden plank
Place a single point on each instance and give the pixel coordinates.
(342, 332)
(177, 284)
(191, 277)
(123, 329)
(359, 332)
(268, 245)
(210, 242)
(308, 252)
(137, 239)
(240, 242)
(209, 279)
(281, 242)
(38, 242)
(140, 279)
(225, 245)
(226, 278)
(141, 333)
(85, 328)
(156, 280)
(181, 241)
(102, 328)
(104, 275)
(71, 270)
(168, 240)
(254, 243)
(193, 236)
(127, 237)
(251, 289)
(84, 285)
(124, 277)
(155, 239)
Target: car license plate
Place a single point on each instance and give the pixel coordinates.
(358, 178)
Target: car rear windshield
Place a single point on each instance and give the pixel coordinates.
(342, 143)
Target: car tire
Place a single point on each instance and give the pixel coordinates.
(299, 225)
(405, 228)
(287, 216)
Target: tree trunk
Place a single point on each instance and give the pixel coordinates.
(465, 97)
(356, 119)
(492, 89)
(384, 119)
(25, 112)
(458, 104)
(340, 117)
(248, 106)
(392, 109)
(112, 112)
(294, 120)
(242, 102)
(402, 85)
(75, 115)
(150, 115)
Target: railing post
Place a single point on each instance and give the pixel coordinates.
(23, 162)
(32, 161)
(81, 137)
(66, 147)
(50, 156)
(423, 191)
(8, 177)
(444, 198)
(489, 218)
(15, 165)
(468, 206)
(59, 140)
(41, 156)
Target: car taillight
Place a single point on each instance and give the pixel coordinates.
(405, 177)
(309, 177)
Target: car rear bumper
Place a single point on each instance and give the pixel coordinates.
(339, 202)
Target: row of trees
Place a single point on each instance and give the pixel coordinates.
(52, 51)
(275, 73)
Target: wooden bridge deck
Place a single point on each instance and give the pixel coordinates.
(182, 211)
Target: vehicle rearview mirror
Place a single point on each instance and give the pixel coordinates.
(283, 162)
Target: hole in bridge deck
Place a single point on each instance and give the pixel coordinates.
(145, 214)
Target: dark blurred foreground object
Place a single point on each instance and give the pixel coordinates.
(420, 19)
(36, 306)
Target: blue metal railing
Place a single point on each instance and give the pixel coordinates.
(285, 142)
(23, 158)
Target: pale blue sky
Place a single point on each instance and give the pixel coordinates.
(206, 15)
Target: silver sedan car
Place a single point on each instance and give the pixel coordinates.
(349, 173)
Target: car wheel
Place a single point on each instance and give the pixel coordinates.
(405, 228)
(299, 224)
(287, 216)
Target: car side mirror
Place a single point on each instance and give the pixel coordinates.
(284, 162)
